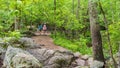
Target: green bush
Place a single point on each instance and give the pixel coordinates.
(75, 46)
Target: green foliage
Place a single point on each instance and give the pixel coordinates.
(77, 45)
(114, 30)
(15, 34)
(28, 12)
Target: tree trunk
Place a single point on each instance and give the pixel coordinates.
(16, 24)
(77, 12)
(15, 20)
(78, 17)
(73, 32)
(55, 17)
(108, 35)
(95, 32)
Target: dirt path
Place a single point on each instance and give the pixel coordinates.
(47, 42)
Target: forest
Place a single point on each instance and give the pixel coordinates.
(74, 30)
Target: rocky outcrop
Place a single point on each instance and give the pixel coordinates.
(53, 59)
(18, 58)
(27, 42)
(33, 56)
(97, 64)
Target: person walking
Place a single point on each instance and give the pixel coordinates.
(44, 29)
(40, 27)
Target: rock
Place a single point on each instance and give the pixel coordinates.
(80, 62)
(77, 55)
(2, 56)
(81, 67)
(52, 58)
(39, 54)
(27, 42)
(97, 64)
(54, 66)
(24, 60)
(18, 58)
(77, 67)
(85, 57)
(90, 60)
(2, 50)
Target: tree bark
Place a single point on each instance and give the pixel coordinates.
(95, 32)
(55, 30)
(15, 19)
(108, 35)
(77, 12)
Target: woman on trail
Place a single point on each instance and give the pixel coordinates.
(44, 28)
(40, 27)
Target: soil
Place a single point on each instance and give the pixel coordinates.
(46, 41)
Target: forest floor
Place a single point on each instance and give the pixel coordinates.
(46, 41)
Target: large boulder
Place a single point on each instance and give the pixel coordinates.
(18, 58)
(97, 64)
(23, 42)
(2, 50)
(27, 42)
(52, 58)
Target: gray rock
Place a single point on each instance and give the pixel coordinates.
(85, 57)
(52, 58)
(53, 66)
(90, 60)
(77, 67)
(97, 64)
(18, 58)
(80, 62)
(27, 42)
(81, 67)
(21, 60)
(39, 54)
(2, 50)
(77, 54)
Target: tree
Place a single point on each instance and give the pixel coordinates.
(78, 8)
(55, 16)
(95, 32)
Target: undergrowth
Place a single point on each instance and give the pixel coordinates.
(75, 46)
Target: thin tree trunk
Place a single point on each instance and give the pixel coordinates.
(108, 35)
(77, 12)
(95, 32)
(15, 20)
(72, 23)
(55, 17)
(78, 17)
(16, 24)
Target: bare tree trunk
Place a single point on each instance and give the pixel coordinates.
(78, 17)
(73, 32)
(77, 12)
(15, 20)
(95, 32)
(108, 35)
(55, 17)
(16, 24)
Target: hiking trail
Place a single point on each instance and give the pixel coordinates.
(46, 41)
